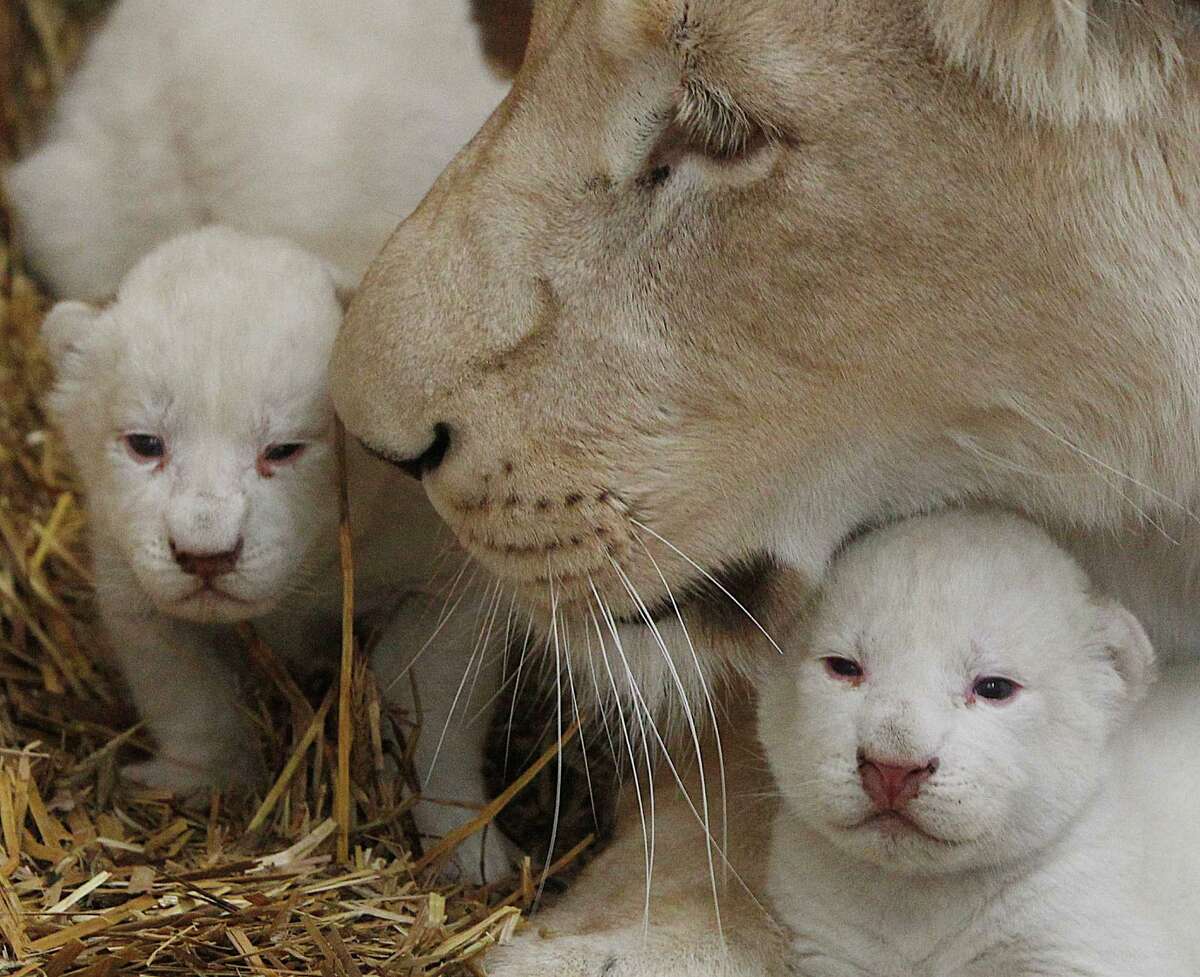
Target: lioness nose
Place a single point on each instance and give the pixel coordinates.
(892, 785)
(207, 566)
(429, 459)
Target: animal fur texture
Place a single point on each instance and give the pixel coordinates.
(887, 291)
(720, 284)
(278, 117)
(1033, 846)
(196, 409)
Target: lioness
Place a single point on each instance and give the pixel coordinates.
(720, 282)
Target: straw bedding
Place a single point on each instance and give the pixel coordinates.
(319, 875)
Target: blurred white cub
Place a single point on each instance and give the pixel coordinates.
(322, 123)
(962, 794)
(196, 409)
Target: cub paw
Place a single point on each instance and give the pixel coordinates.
(190, 781)
(482, 860)
(167, 775)
(483, 857)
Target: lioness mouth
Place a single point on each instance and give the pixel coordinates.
(724, 597)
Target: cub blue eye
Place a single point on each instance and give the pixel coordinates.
(995, 688)
(145, 446)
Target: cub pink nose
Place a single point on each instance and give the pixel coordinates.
(892, 785)
(207, 566)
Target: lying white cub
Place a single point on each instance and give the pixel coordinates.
(196, 410)
(950, 742)
(322, 123)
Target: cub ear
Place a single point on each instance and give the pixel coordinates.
(1066, 60)
(1128, 647)
(66, 329)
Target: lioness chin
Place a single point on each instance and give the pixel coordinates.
(719, 283)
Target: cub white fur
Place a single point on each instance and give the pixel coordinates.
(942, 734)
(290, 117)
(196, 408)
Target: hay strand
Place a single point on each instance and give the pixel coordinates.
(489, 812)
(345, 733)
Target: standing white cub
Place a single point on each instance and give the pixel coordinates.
(950, 741)
(322, 123)
(197, 411)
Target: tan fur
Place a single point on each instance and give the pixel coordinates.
(957, 259)
(1068, 60)
(912, 295)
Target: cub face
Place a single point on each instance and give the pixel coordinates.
(948, 703)
(196, 409)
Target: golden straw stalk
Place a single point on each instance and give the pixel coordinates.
(345, 736)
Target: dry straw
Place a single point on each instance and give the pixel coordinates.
(319, 875)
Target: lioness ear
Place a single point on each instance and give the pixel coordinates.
(66, 329)
(1066, 60)
(1126, 643)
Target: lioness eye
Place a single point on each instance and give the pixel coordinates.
(995, 688)
(843, 669)
(278, 454)
(145, 447)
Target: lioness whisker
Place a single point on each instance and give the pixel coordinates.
(690, 719)
(512, 704)
(479, 649)
(449, 546)
(444, 617)
(602, 706)
(633, 767)
(452, 585)
(711, 579)
(1008, 465)
(712, 712)
(611, 622)
(1103, 466)
(508, 623)
(502, 688)
(644, 716)
(587, 772)
(558, 760)
(486, 640)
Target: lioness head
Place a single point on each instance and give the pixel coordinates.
(196, 407)
(949, 702)
(719, 282)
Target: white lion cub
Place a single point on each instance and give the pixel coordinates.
(949, 741)
(197, 412)
(324, 123)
